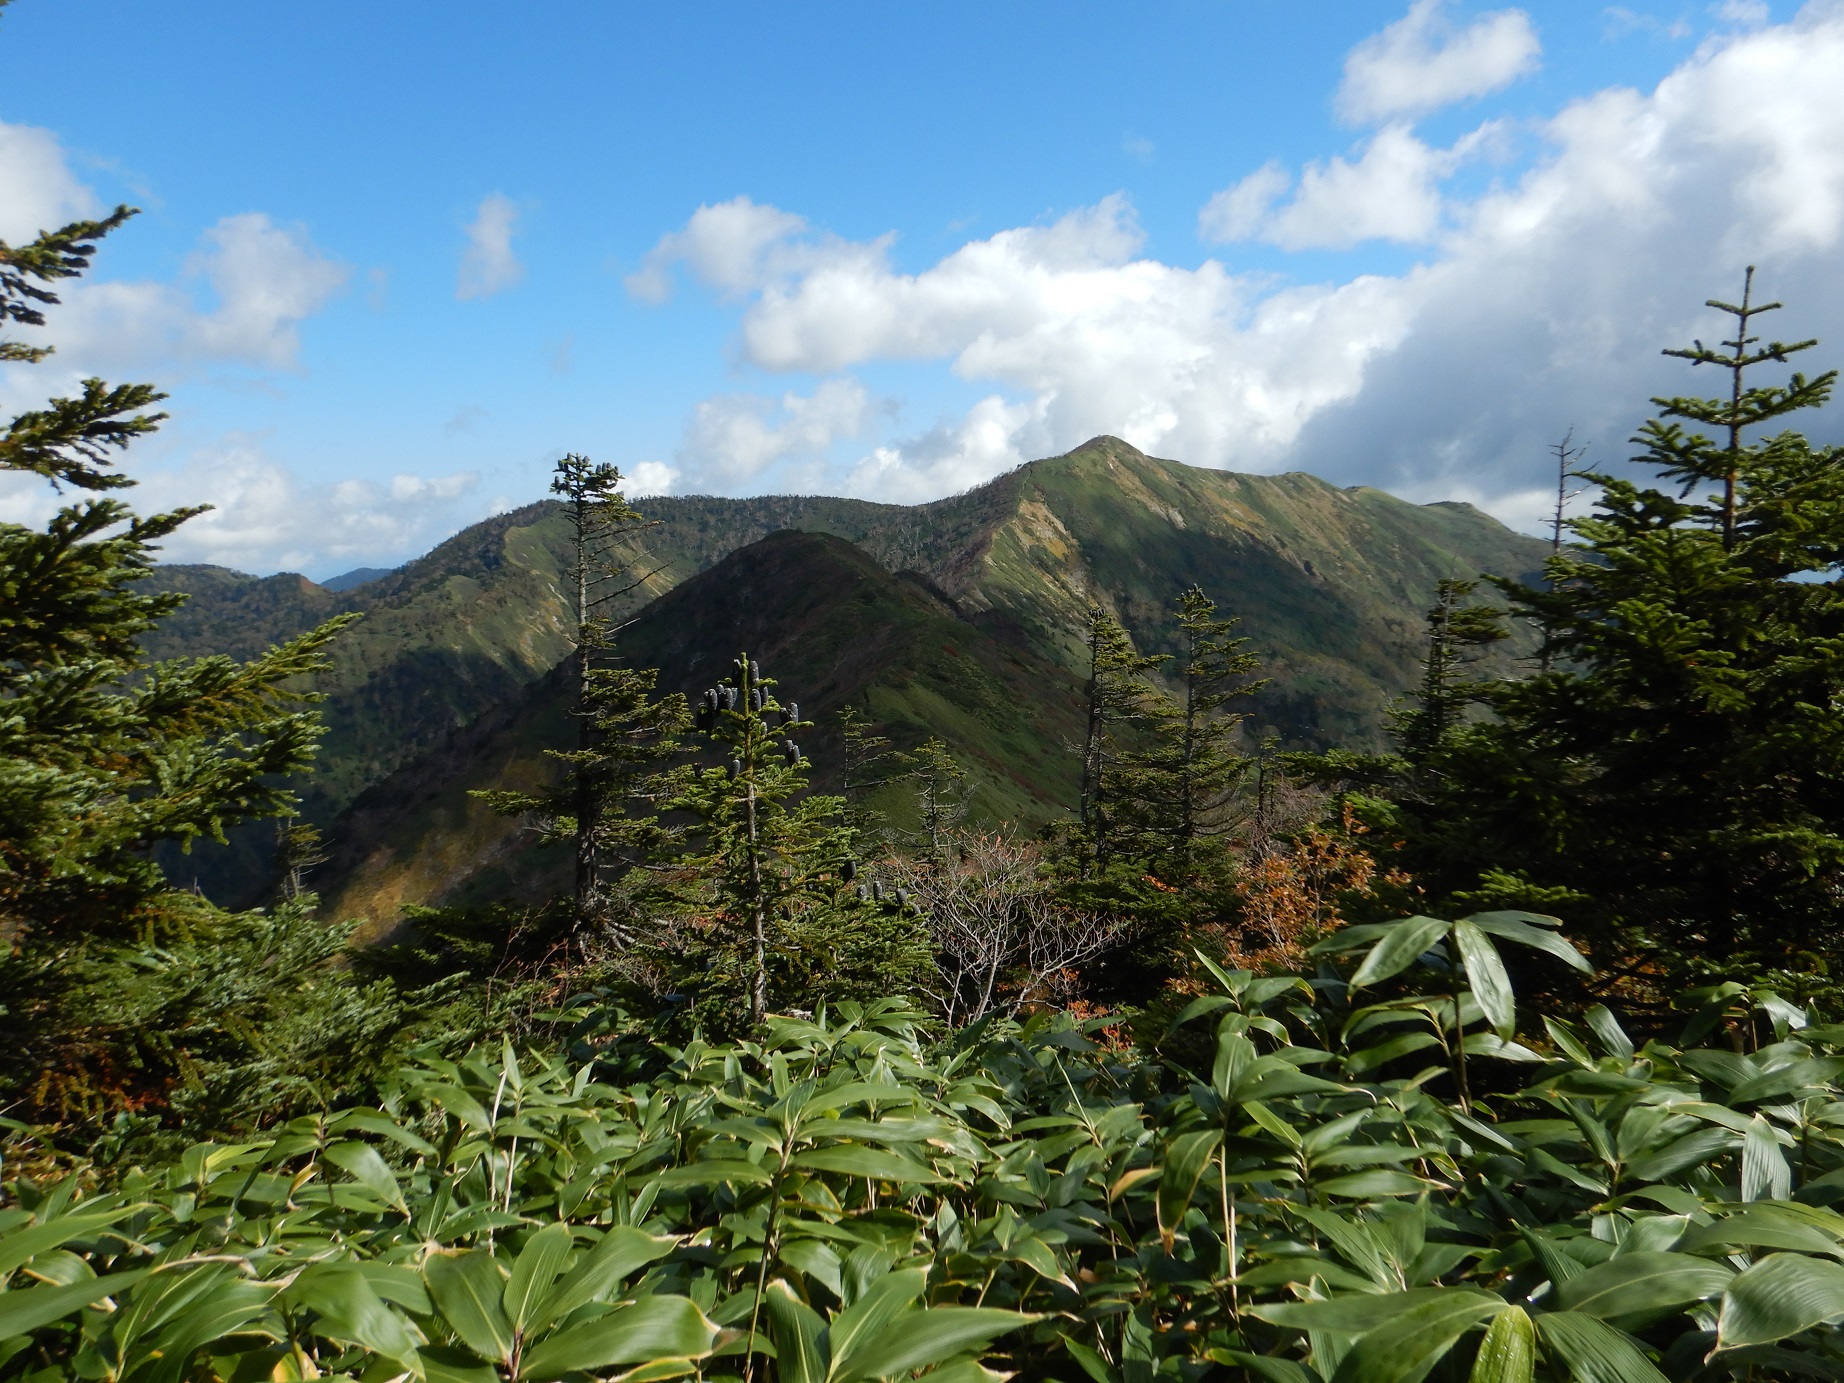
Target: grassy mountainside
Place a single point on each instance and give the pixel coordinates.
(1330, 585)
(824, 619)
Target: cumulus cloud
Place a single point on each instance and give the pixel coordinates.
(1542, 302)
(1391, 192)
(735, 247)
(38, 191)
(263, 281)
(733, 438)
(650, 478)
(267, 517)
(488, 265)
(1422, 62)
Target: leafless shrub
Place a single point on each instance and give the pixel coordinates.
(1001, 939)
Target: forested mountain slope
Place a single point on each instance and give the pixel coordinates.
(821, 617)
(1330, 585)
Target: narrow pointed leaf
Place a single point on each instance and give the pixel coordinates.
(533, 1272)
(1508, 1354)
(1185, 1161)
(1635, 1283)
(25, 1311)
(919, 1339)
(362, 1163)
(1485, 972)
(1593, 1351)
(622, 1250)
(1404, 944)
(661, 1327)
(797, 1332)
(1778, 1296)
(1406, 1348)
(467, 1288)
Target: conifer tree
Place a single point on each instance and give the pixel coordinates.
(1119, 704)
(1183, 791)
(941, 790)
(104, 755)
(769, 880)
(1682, 763)
(1459, 630)
(618, 731)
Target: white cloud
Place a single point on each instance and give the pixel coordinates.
(268, 518)
(264, 281)
(1392, 192)
(1420, 63)
(735, 246)
(1746, 13)
(733, 438)
(489, 265)
(1542, 302)
(38, 191)
(650, 478)
(1240, 212)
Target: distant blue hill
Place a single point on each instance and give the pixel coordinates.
(358, 576)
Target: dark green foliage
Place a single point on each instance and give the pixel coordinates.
(1300, 1200)
(1184, 794)
(1682, 764)
(1120, 707)
(116, 989)
(768, 914)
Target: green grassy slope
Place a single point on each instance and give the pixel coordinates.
(830, 624)
(1330, 584)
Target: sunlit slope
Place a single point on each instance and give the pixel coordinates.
(1330, 585)
(824, 619)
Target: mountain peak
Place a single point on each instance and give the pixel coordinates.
(1110, 446)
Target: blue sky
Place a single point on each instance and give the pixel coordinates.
(394, 259)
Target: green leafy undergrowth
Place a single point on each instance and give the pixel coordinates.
(852, 1198)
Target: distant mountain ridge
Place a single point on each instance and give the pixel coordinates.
(1330, 584)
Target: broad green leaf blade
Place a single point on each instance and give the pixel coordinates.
(1635, 1283)
(1185, 1161)
(1765, 1175)
(715, 1170)
(1404, 944)
(857, 1160)
(1508, 1354)
(871, 1310)
(1593, 1351)
(467, 1288)
(1352, 1315)
(1262, 1366)
(362, 1163)
(25, 1311)
(662, 1327)
(27, 1243)
(918, 1339)
(798, 1335)
(1605, 1026)
(1512, 926)
(1779, 1296)
(533, 1272)
(1366, 1185)
(621, 1250)
(1406, 1349)
(1485, 972)
(351, 1312)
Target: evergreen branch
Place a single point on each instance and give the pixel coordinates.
(69, 442)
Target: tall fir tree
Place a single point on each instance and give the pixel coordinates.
(1682, 763)
(116, 987)
(1119, 704)
(618, 730)
(1182, 794)
(767, 884)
